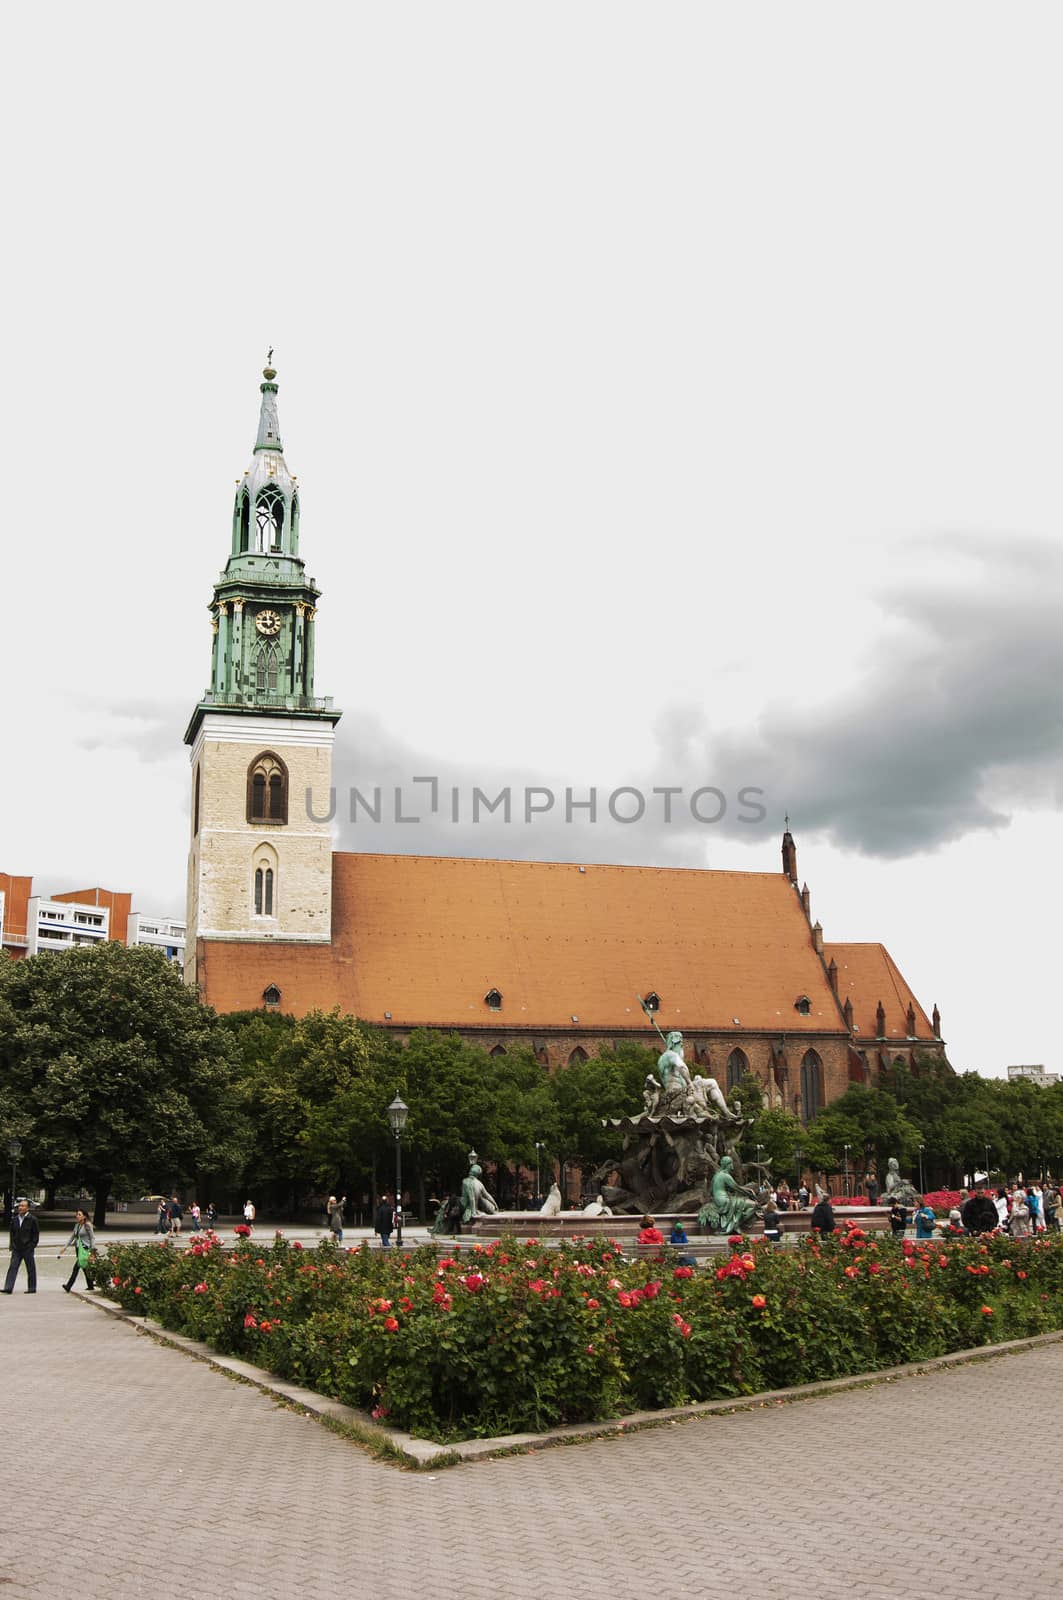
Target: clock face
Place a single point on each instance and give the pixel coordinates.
(268, 623)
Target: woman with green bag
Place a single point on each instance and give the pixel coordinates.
(84, 1241)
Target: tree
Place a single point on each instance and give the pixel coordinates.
(312, 1094)
(121, 1074)
(871, 1123)
(586, 1092)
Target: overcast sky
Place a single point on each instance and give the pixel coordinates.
(675, 394)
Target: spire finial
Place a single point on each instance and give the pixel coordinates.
(786, 822)
(268, 371)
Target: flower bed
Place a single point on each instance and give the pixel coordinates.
(515, 1337)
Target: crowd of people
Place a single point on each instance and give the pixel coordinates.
(170, 1216)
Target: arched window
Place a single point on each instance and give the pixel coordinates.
(195, 803)
(578, 1055)
(269, 515)
(267, 789)
(811, 1086)
(263, 891)
(245, 523)
(499, 1050)
(264, 881)
(737, 1067)
(267, 664)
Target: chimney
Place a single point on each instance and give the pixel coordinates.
(847, 1008)
(832, 974)
(936, 1020)
(880, 1021)
(806, 901)
(817, 937)
(789, 855)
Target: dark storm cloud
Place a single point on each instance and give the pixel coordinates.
(956, 724)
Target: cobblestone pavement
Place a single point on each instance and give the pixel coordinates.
(132, 1471)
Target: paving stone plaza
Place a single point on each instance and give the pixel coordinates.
(138, 1472)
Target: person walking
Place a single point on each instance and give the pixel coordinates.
(84, 1241)
(249, 1213)
(25, 1235)
(212, 1215)
(384, 1221)
(924, 1221)
(175, 1211)
(335, 1217)
(162, 1220)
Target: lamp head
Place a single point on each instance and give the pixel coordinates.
(14, 1148)
(397, 1114)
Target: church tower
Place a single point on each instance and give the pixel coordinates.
(260, 866)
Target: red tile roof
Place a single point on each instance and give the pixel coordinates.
(424, 938)
(867, 974)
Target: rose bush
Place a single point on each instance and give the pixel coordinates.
(515, 1336)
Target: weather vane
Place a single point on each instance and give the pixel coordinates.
(269, 358)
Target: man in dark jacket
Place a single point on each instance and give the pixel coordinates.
(823, 1217)
(979, 1214)
(24, 1236)
(384, 1221)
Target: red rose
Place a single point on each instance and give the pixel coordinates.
(683, 1272)
(249, 1320)
(592, 1305)
(758, 1302)
(200, 1288)
(391, 1324)
(987, 1311)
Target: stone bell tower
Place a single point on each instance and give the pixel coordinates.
(259, 865)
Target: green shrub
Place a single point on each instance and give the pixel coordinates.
(517, 1337)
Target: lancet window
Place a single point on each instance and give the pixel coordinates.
(267, 789)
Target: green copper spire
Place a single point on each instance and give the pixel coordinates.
(264, 605)
(269, 428)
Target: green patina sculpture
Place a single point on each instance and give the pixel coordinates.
(671, 1065)
(474, 1197)
(731, 1206)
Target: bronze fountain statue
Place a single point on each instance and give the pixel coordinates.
(681, 1151)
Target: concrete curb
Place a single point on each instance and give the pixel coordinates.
(423, 1453)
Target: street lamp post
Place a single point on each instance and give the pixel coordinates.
(397, 1114)
(987, 1150)
(922, 1182)
(797, 1163)
(848, 1191)
(540, 1146)
(14, 1150)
